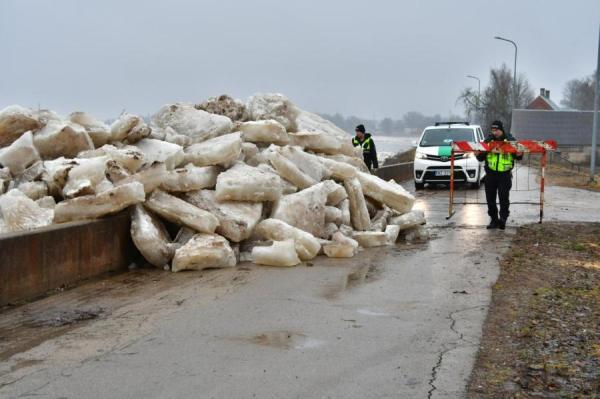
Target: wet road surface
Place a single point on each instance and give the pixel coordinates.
(396, 322)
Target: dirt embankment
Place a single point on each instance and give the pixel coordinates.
(542, 335)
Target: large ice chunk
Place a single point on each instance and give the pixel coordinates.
(222, 150)
(151, 237)
(151, 177)
(129, 129)
(369, 239)
(14, 121)
(190, 178)
(171, 136)
(341, 246)
(178, 211)
(128, 156)
(84, 176)
(357, 161)
(265, 106)
(280, 253)
(189, 121)
(34, 189)
(391, 194)
(98, 131)
(380, 221)
(336, 193)
(204, 251)
(249, 151)
(60, 138)
(286, 186)
(392, 231)
(358, 207)
(22, 213)
(320, 135)
(247, 183)
(161, 151)
(307, 246)
(232, 108)
(333, 215)
(20, 154)
(304, 209)
(47, 202)
(345, 209)
(307, 163)
(237, 219)
(264, 131)
(288, 169)
(105, 203)
(338, 170)
(408, 220)
(55, 174)
(5, 179)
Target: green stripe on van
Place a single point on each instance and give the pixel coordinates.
(444, 151)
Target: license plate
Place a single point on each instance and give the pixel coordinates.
(442, 172)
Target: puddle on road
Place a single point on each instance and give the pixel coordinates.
(368, 312)
(359, 275)
(65, 317)
(24, 363)
(286, 340)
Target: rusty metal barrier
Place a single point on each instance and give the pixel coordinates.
(32, 263)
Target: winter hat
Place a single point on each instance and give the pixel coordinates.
(360, 128)
(497, 125)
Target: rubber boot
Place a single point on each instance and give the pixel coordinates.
(494, 224)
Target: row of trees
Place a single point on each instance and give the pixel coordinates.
(579, 93)
(411, 123)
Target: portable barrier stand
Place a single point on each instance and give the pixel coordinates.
(502, 147)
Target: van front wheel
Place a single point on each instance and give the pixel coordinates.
(419, 186)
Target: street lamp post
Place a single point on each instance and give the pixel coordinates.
(595, 122)
(478, 94)
(515, 96)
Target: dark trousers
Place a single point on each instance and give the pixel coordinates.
(498, 184)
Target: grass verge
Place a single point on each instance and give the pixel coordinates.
(542, 334)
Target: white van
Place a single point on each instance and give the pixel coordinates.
(432, 157)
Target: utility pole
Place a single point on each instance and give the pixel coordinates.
(515, 94)
(595, 123)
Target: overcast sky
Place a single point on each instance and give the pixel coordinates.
(369, 58)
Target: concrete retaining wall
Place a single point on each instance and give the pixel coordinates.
(35, 262)
(399, 172)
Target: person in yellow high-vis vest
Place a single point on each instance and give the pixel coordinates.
(365, 141)
(498, 177)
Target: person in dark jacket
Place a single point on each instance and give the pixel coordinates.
(365, 141)
(498, 177)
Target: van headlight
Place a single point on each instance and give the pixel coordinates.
(420, 155)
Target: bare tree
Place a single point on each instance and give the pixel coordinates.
(471, 103)
(579, 93)
(496, 99)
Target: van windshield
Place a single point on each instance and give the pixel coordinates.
(445, 137)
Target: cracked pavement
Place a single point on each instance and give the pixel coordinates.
(397, 322)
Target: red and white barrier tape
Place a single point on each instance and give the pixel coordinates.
(531, 146)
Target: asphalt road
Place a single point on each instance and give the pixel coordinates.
(397, 322)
